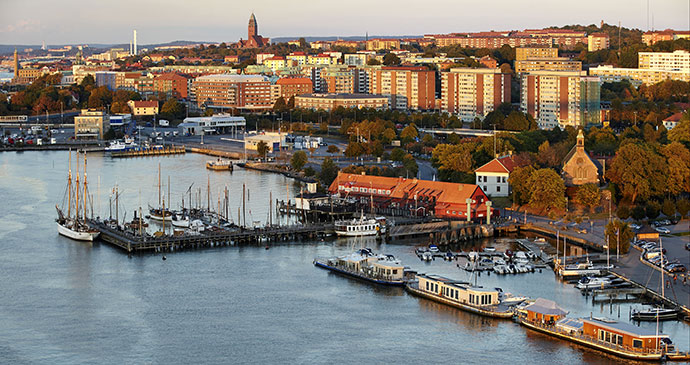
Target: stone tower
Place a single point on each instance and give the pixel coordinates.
(253, 28)
(16, 64)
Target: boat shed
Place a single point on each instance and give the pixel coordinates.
(624, 334)
(544, 311)
(219, 123)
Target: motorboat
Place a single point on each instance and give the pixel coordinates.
(653, 313)
(582, 269)
(219, 165)
(501, 269)
(179, 220)
(499, 261)
(119, 146)
(510, 299)
(489, 249)
(589, 282)
(360, 227)
(433, 248)
(427, 256)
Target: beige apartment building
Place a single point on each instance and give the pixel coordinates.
(91, 124)
(523, 53)
(550, 64)
(407, 87)
(474, 92)
(331, 101)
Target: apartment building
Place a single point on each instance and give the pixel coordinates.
(597, 41)
(561, 98)
(649, 38)
(331, 101)
(337, 79)
(91, 124)
(292, 86)
(524, 53)
(234, 91)
(474, 92)
(143, 107)
(407, 87)
(550, 64)
(356, 59)
(669, 61)
(377, 44)
(638, 76)
(297, 58)
(172, 85)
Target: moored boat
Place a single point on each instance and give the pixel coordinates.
(461, 295)
(362, 226)
(219, 165)
(74, 227)
(582, 269)
(364, 264)
(610, 336)
(588, 282)
(653, 313)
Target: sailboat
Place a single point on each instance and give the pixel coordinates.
(160, 213)
(657, 312)
(74, 227)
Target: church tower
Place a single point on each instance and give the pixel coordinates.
(253, 29)
(16, 64)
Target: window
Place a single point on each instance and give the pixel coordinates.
(427, 286)
(498, 188)
(637, 344)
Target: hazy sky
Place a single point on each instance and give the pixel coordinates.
(157, 21)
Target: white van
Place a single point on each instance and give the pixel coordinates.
(164, 123)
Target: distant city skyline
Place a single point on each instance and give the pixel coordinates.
(84, 22)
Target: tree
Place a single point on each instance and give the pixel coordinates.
(588, 195)
(173, 109)
(681, 132)
(548, 190)
(388, 135)
(638, 212)
(390, 59)
(333, 149)
(354, 149)
(683, 207)
(262, 149)
(373, 62)
(309, 171)
(398, 154)
(299, 159)
(100, 97)
(678, 159)
(329, 171)
(623, 212)
(409, 133)
(652, 209)
(638, 171)
(619, 231)
(280, 105)
(453, 157)
(520, 180)
(668, 207)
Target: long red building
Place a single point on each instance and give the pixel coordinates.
(418, 197)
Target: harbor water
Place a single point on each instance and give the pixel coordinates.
(69, 302)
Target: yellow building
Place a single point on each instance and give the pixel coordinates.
(332, 101)
(379, 44)
(548, 64)
(91, 124)
(597, 41)
(523, 53)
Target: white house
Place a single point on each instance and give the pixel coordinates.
(672, 121)
(493, 176)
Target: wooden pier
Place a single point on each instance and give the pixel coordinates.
(141, 152)
(135, 243)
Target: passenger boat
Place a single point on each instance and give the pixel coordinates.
(588, 282)
(582, 269)
(119, 146)
(219, 165)
(360, 227)
(654, 313)
(74, 227)
(364, 264)
(461, 295)
(617, 338)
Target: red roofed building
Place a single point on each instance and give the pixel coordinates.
(673, 120)
(400, 196)
(143, 107)
(171, 84)
(291, 86)
(493, 176)
(254, 40)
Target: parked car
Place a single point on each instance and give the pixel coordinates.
(662, 230)
(677, 268)
(687, 246)
(635, 226)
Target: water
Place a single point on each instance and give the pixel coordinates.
(69, 302)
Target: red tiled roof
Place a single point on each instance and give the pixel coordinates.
(501, 164)
(146, 104)
(674, 118)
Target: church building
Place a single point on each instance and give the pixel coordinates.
(578, 167)
(254, 40)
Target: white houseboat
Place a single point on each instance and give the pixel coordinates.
(360, 227)
(364, 264)
(462, 295)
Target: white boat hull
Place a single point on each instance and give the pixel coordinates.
(79, 236)
(356, 234)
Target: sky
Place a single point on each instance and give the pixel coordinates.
(159, 21)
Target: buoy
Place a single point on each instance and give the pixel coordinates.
(164, 258)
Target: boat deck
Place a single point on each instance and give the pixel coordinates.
(495, 311)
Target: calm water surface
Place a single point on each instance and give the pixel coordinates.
(69, 302)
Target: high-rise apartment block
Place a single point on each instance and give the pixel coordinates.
(669, 61)
(474, 92)
(551, 64)
(597, 41)
(406, 87)
(560, 98)
(224, 91)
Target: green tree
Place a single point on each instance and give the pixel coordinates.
(398, 154)
(623, 212)
(638, 212)
(100, 97)
(299, 159)
(388, 135)
(280, 105)
(619, 231)
(373, 62)
(678, 160)
(668, 207)
(410, 165)
(173, 109)
(390, 59)
(638, 171)
(588, 195)
(354, 149)
(453, 157)
(309, 171)
(520, 184)
(329, 171)
(652, 209)
(548, 190)
(262, 149)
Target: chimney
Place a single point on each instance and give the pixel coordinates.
(135, 42)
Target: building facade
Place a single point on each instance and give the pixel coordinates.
(234, 91)
(331, 101)
(649, 38)
(407, 87)
(143, 107)
(523, 53)
(548, 64)
(597, 42)
(668, 61)
(474, 92)
(637, 76)
(91, 124)
(381, 44)
(493, 177)
(337, 79)
(254, 40)
(561, 98)
(172, 85)
(293, 86)
(578, 167)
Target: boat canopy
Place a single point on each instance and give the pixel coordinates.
(546, 307)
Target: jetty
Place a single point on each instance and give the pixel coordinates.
(150, 151)
(131, 243)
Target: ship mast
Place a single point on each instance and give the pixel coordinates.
(69, 186)
(77, 190)
(85, 188)
(159, 184)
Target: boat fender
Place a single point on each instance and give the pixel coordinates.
(164, 258)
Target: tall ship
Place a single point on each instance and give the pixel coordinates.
(74, 226)
(362, 226)
(364, 264)
(463, 295)
(161, 213)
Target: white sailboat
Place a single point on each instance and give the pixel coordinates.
(74, 227)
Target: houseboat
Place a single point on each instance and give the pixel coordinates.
(364, 264)
(362, 226)
(461, 295)
(219, 165)
(617, 338)
(582, 269)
